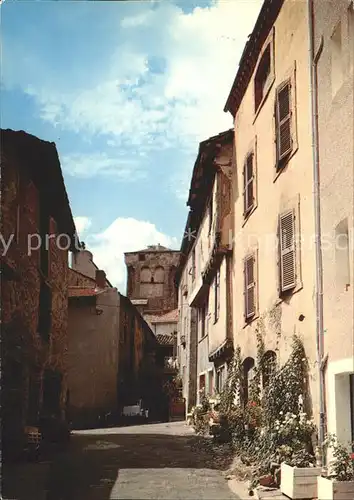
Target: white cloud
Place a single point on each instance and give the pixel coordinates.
(138, 107)
(90, 165)
(82, 225)
(124, 235)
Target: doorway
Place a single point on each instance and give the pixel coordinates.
(351, 385)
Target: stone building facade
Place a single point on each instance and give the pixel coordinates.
(334, 25)
(34, 313)
(205, 336)
(151, 279)
(114, 357)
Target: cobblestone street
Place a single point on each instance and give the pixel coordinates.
(156, 461)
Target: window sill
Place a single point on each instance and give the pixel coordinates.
(264, 98)
(249, 321)
(280, 170)
(248, 215)
(283, 296)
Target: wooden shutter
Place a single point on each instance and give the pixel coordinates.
(248, 197)
(249, 277)
(287, 251)
(283, 121)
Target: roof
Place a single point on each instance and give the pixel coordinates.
(170, 317)
(77, 291)
(164, 339)
(204, 171)
(41, 162)
(266, 18)
(71, 270)
(98, 269)
(152, 248)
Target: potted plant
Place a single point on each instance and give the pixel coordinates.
(298, 472)
(339, 483)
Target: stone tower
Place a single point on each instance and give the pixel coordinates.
(151, 279)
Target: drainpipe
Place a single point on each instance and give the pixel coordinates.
(313, 60)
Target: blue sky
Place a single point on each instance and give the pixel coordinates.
(126, 90)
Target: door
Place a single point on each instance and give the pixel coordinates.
(352, 404)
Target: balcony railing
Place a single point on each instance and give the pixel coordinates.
(171, 363)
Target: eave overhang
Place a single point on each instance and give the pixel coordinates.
(265, 21)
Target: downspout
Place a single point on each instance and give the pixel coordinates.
(313, 60)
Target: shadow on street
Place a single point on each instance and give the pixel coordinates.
(89, 468)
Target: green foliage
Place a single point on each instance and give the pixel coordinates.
(233, 384)
(272, 427)
(286, 387)
(342, 466)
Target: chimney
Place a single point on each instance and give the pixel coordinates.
(100, 279)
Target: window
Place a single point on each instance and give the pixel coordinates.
(45, 311)
(220, 378)
(283, 122)
(342, 255)
(287, 251)
(263, 77)
(249, 287)
(248, 177)
(141, 257)
(211, 382)
(145, 275)
(159, 275)
(336, 59)
(217, 296)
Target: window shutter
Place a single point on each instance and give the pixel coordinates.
(218, 302)
(248, 184)
(249, 286)
(283, 121)
(287, 251)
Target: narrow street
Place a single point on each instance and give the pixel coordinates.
(140, 462)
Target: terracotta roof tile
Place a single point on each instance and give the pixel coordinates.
(170, 317)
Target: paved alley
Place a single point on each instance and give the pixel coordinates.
(156, 461)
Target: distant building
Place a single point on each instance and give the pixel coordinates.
(114, 357)
(34, 283)
(151, 279)
(205, 336)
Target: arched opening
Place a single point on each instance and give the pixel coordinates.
(159, 274)
(145, 275)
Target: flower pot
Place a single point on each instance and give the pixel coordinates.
(329, 489)
(299, 482)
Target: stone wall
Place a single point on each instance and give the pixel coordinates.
(25, 354)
